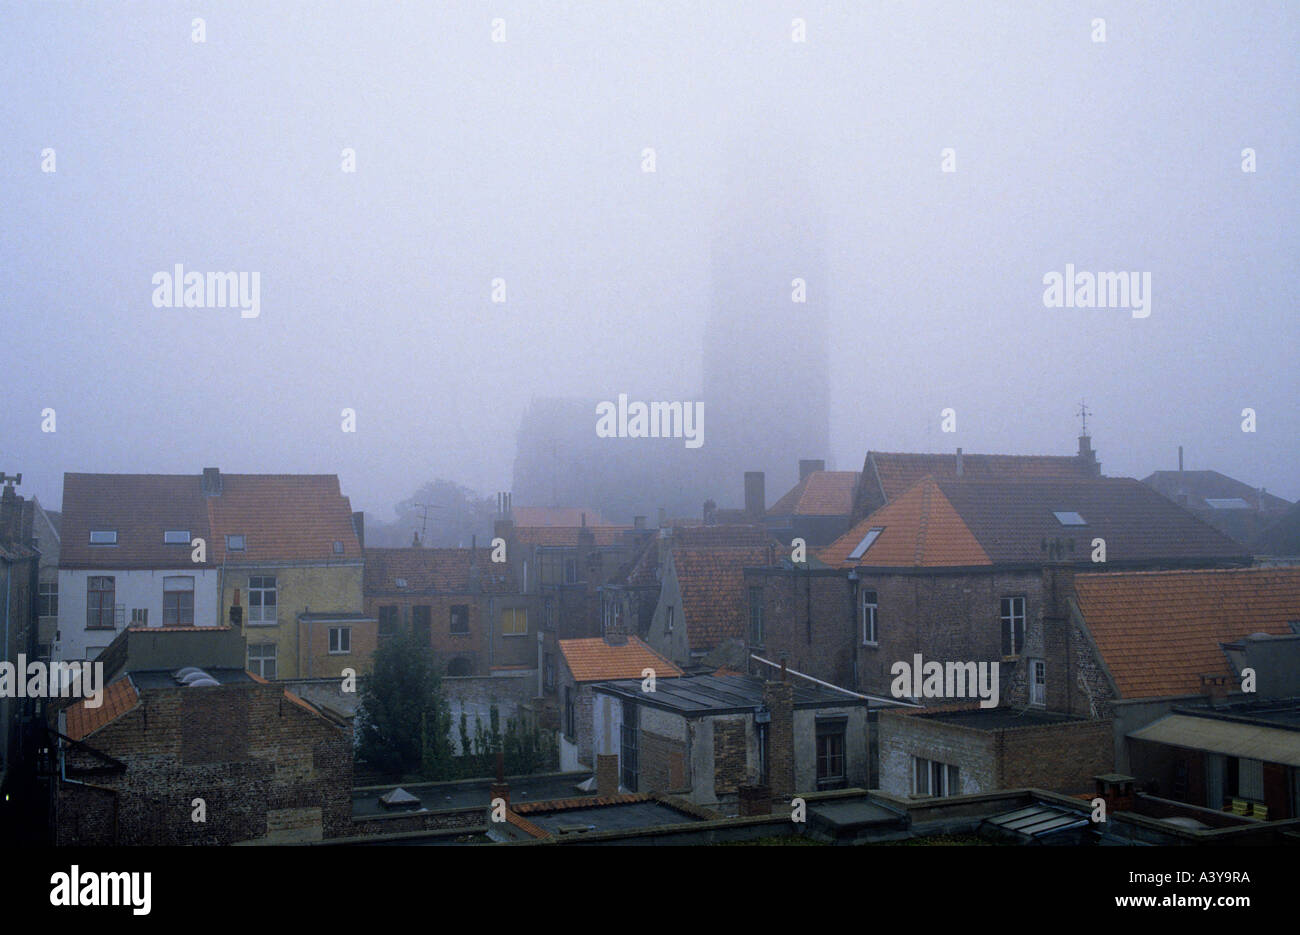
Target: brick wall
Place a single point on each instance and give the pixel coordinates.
(662, 763)
(260, 761)
(1059, 757)
(730, 752)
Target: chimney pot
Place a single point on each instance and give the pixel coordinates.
(959, 464)
(638, 522)
(755, 494)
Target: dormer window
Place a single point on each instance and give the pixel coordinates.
(177, 537)
(867, 541)
(400, 582)
(338, 547)
(1069, 518)
(235, 543)
(103, 537)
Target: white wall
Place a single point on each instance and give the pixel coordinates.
(133, 589)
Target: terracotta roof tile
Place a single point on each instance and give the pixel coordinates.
(711, 582)
(821, 493)
(595, 660)
(898, 471)
(556, 516)
(141, 508)
(919, 529)
(119, 698)
(567, 536)
(644, 570)
(1158, 632)
(445, 570)
(284, 517)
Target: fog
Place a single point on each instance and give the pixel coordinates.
(523, 161)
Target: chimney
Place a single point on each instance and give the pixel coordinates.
(755, 496)
(808, 466)
(500, 789)
(503, 526)
(1180, 459)
(211, 482)
(606, 775)
(1088, 456)
(415, 539)
(1215, 688)
(236, 612)
(778, 698)
(663, 517)
(638, 522)
(359, 527)
(959, 468)
(1117, 790)
(710, 509)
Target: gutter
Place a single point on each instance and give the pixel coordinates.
(890, 701)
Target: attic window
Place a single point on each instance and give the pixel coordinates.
(235, 543)
(867, 540)
(103, 537)
(400, 582)
(338, 547)
(1069, 518)
(1227, 503)
(176, 537)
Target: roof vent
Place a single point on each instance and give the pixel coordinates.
(211, 482)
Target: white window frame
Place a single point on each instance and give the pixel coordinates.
(105, 537)
(338, 637)
(1008, 620)
(1037, 687)
(262, 658)
(863, 603)
(230, 544)
(262, 590)
(176, 537)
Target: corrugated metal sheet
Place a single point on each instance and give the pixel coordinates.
(1251, 741)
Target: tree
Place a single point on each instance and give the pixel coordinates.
(403, 720)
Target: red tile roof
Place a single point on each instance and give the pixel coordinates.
(595, 660)
(644, 570)
(920, 529)
(711, 583)
(821, 493)
(567, 536)
(556, 516)
(141, 508)
(1158, 632)
(444, 570)
(284, 517)
(119, 698)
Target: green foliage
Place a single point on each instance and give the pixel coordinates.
(402, 720)
(526, 748)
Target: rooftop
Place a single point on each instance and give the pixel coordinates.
(596, 659)
(697, 695)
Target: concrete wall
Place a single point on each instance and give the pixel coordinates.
(132, 589)
(512, 692)
(856, 756)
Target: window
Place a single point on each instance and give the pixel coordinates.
(48, 598)
(570, 714)
(261, 599)
(1038, 681)
(930, 777)
(570, 571)
(340, 640)
(1013, 625)
(261, 659)
(549, 668)
(422, 624)
(103, 537)
(628, 745)
(830, 753)
(669, 627)
(459, 619)
(861, 548)
(99, 603)
(514, 621)
(139, 616)
(549, 608)
(235, 543)
(338, 547)
(178, 601)
(176, 537)
(870, 606)
(388, 620)
(400, 582)
(1069, 518)
(756, 616)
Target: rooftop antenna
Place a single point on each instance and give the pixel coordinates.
(424, 523)
(1083, 413)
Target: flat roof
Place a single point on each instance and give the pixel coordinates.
(625, 816)
(998, 718)
(1283, 713)
(696, 695)
(469, 794)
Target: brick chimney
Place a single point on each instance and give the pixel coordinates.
(710, 513)
(1215, 688)
(808, 466)
(959, 464)
(1088, 456)
(359, 527)
(211, 482)
(606, 774)
(778, 697)
(1117, 790)
(755, 495)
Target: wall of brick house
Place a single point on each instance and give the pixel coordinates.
(902, 736)
(299, 589)
(319, 662)
(663, 763)
(471, 648)
(675, 645)
(513, 693)
(730, 754)
(582, 703)
(1059, 757)
(261, 763)
(808, 620)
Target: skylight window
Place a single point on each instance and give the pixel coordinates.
(177, 537)
(400, 582)
(1069, 518)
(235, 543)
(1227, 503)
(103, 537)
(867, 540)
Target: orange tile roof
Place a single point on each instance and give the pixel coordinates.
(526, 826)
(1158, 632)
(567, 536)
(425, 569)
(119, 698)
(284, 517)
(821, 493)
(582, 801)
(711, 583)
(921, 529)
(594, 660)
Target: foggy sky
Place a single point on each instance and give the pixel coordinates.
(522, 160)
